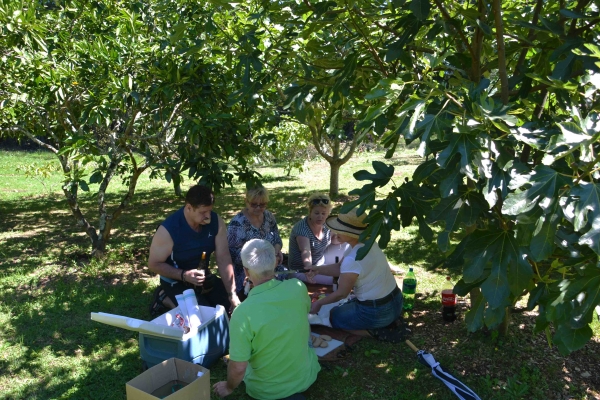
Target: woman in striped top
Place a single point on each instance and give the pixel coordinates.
(310, 237)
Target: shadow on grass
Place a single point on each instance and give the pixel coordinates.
(74, 356)
(49, 287)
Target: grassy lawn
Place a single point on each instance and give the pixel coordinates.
(50, 349)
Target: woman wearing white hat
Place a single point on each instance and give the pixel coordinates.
(378, 301)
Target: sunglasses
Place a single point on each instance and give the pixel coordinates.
(319, 201)
(258, 205)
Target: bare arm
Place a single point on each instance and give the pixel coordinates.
(305, 254)
(278, 254)
(160, 250)
(328, 270)
(235, 374)
(345, 285)
(224, 264)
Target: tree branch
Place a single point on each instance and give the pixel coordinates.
(581, 4)
(32, 137)
(477, 46)
(530, 36)
(369, 45)
(497, 8)
(447, 17)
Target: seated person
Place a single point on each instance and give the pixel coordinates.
(253, 222)
(176, 255)
(269, 333)
(378, 301)
(310, 237)
(334, 253)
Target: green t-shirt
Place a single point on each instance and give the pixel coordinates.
(270, 330)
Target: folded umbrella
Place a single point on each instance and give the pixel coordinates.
(461, 390)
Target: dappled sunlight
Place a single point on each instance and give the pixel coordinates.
(412, 375)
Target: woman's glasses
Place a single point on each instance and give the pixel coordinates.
(258, 205)
(319, 201)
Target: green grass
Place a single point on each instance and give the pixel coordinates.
(50, 349)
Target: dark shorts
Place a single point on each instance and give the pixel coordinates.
(217, 295)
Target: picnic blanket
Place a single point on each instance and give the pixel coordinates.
(349, 339)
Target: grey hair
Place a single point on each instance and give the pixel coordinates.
(258, 256)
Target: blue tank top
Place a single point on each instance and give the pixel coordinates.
(188, 245)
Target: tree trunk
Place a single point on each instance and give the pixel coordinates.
(334, 179)
(98, 247)
(177, 186)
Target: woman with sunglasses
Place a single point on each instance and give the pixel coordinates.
(310, 237)
(253, 222)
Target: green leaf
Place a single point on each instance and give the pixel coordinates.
(415, 203)
(485, 28)
(369, 235)
(376, 93)
(494, 316)
(592, 237)
(383, 174)
(510, 273)
(425, 170)
(420, 8)
(498, 182)
(474, 317)
(569, 340)
(541, 290)
(464, 143)
(455, 210)
(449, 185)
(542, 242)
(544, 183)
(496, 288)
(587, 203)
(588, 288)
(96, 177)
(573, 14)
(365, 201)
(463, 288)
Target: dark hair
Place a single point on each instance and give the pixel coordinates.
(199, 195)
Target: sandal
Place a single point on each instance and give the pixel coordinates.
(401, 325)
(158, 308)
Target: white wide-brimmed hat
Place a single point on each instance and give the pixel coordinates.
(348, 224)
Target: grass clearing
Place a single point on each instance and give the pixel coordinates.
(50, 349)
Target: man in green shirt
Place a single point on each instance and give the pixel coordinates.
(269, 333)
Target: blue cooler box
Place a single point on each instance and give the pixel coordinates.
(203, 345)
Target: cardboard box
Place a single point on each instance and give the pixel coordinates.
(173, 369)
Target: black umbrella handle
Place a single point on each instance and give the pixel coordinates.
(411, 345)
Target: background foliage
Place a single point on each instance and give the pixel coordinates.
(502, 96)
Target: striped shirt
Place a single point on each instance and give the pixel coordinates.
(317, 247)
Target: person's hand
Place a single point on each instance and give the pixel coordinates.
(221, 389)
(234, 300)
(315, 307)
(194, 276)
(279, 257)
(310, 275)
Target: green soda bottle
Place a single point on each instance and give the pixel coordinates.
(409, 288)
